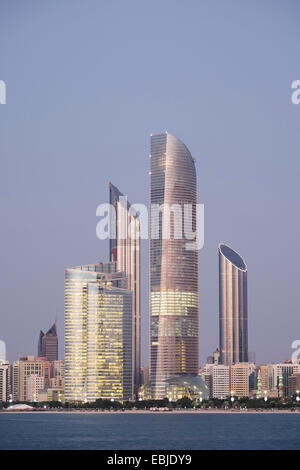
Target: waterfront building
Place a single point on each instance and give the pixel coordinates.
(4, 381)
(25, 367)
(34, 383)
(174, 348)
(206, 374)
(124, 249)
(98, 334)
(294, 384)
(280, 374)
(239, 379)
(58, 368)
(233, 310)
(220, 381)
(190, 386)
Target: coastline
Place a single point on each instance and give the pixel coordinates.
(160, 412)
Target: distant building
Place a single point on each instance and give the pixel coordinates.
(265, 376)
(221, 381)
(282, 372)
(4, 381)
(233, 313)
(294, 385)
(206, 374)
(14, 380)
(51, 394)
(239, 379)
(214, 359)
(24, 368)
(48, 344)
(58, 369)
(34, 383)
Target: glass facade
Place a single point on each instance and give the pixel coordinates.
(98, 334)
(173, 268)
(190, 386)
(125, 251)
(48, 344)
(233, 313)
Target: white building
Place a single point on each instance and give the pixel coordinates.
(35, 383)
(220, 381)
(4, 380)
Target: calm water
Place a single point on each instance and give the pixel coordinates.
(149, 431)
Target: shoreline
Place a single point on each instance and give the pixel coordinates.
(160, 412)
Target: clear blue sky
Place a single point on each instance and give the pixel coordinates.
(87, 82)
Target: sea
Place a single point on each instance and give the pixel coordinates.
(118, 431)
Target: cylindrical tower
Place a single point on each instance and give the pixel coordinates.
(233, 313)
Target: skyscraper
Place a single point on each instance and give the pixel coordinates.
(173, 267)
(48, 344)
(98, 334)
(125, 251)
(233, 313)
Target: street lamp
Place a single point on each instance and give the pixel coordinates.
(265, 397)
(232, 397)
(297, 397)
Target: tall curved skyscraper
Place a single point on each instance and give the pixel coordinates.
(173, 267)
(232, 306)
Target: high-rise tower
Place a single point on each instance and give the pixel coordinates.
(124, 249)
(173, 267)
(98, 334)
(233, 314)
(48, 344)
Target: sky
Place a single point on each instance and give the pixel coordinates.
(87, 83)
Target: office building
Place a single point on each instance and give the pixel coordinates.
(124, 249)
(294, 385)
(239, 379)
(48, 344)
(174, 345)
(4, 381)
(34, 383)
(24, 368)
(220, 381)
(233, 313)
(280, 374)
(98, 334)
